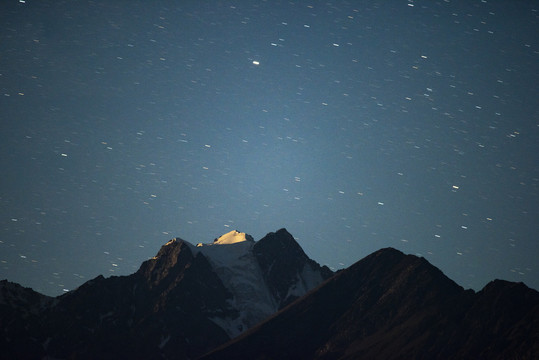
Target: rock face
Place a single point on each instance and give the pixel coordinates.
(395, 306)
(161, 311)
(20, 318)
(180, 304)
(262, 276)
(288, 271)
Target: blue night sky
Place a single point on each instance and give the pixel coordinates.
(356, 125)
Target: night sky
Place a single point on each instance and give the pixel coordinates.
(356, 125)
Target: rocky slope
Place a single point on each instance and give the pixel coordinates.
(395, 306)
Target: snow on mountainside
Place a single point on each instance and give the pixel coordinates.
(233, 261)
(288, 271)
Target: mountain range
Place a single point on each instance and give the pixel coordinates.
(237, 298)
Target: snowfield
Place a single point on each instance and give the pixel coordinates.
(233, 261)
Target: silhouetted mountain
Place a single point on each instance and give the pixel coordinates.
(190, 300)
(395, 306)
(180, 304)
(20, 320)
(288, 271)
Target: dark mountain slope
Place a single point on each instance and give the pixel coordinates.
(20, 310)
(395, 306)
(183, 302)
(160, 311)
(283, 262)
(502, 322)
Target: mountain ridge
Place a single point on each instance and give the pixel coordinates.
(205, 301)
(183, 302)
(394, 306)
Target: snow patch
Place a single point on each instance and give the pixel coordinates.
(307, 280)
(236, 266)
(233, 327)
(311, 277)
(232, 237)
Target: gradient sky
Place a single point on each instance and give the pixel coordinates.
(356, 125)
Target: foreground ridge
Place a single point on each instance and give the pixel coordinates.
(395, 306)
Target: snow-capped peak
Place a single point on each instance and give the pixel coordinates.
(238, 269)
(232, 237)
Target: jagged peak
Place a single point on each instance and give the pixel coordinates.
(281, 240)
(387, 251)
(500, 286)
(167, 248)
(167, 256)
(172, 241)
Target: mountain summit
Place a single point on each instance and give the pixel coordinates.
(262, 276)
(232, 237)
